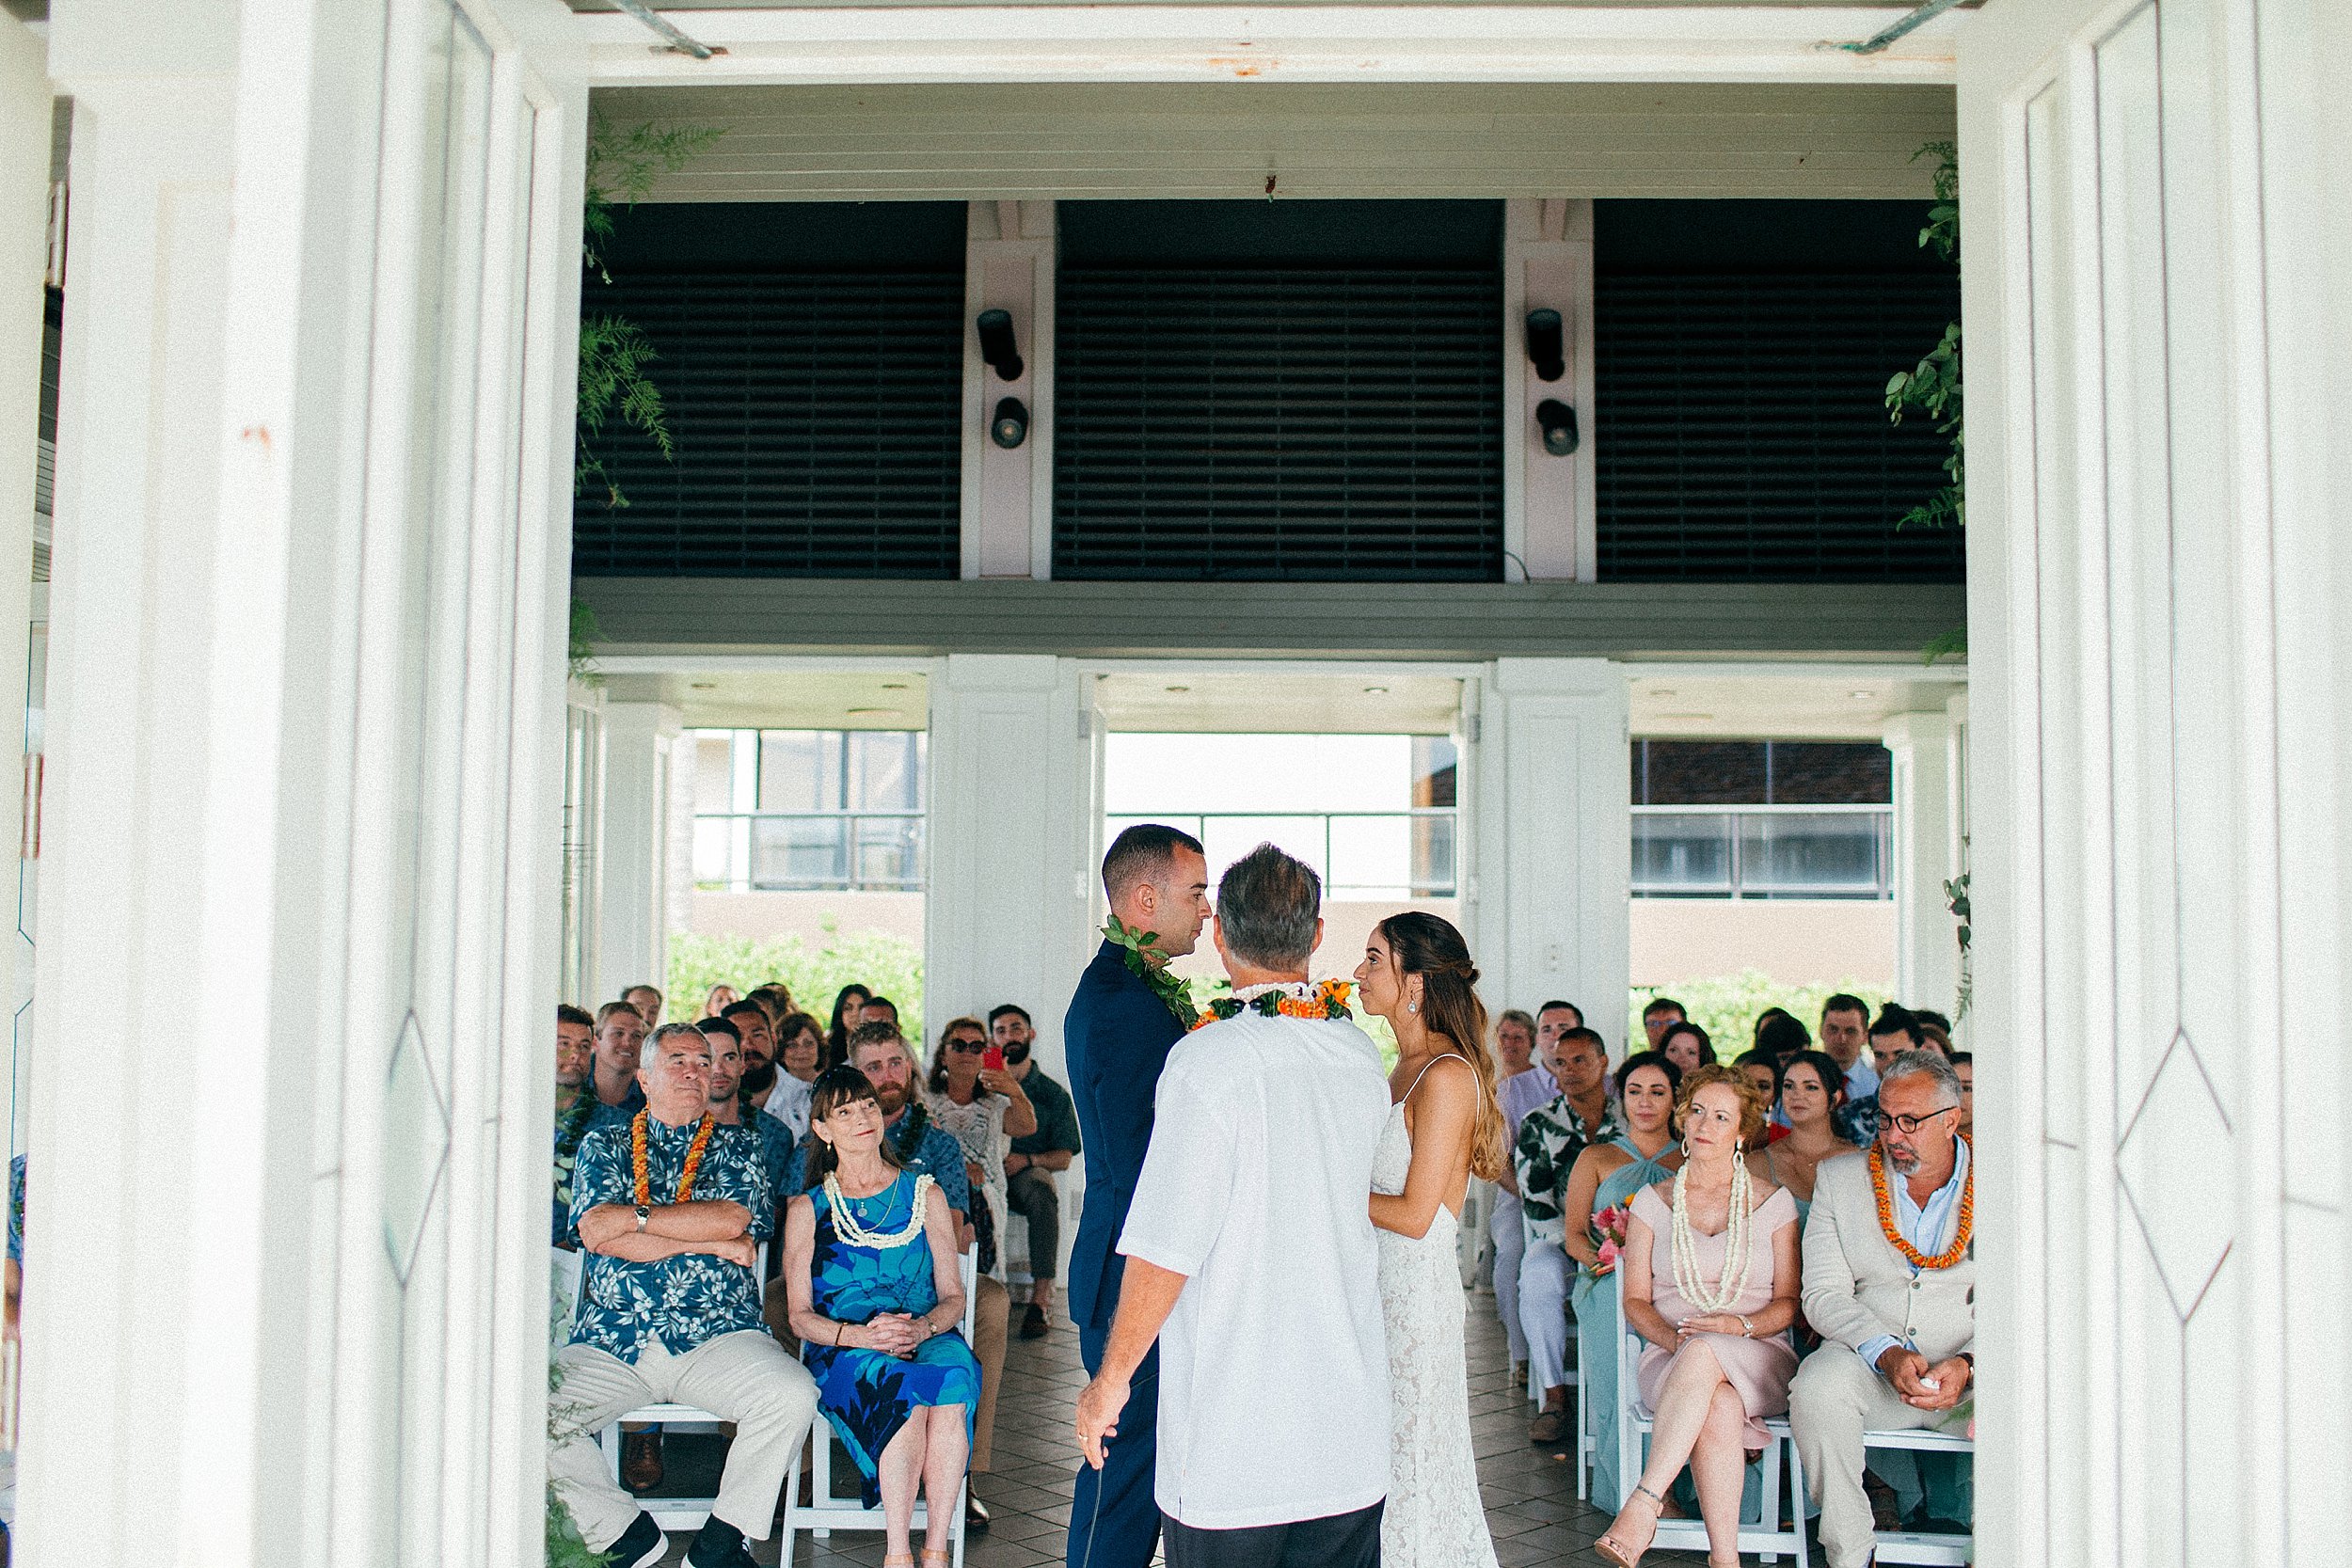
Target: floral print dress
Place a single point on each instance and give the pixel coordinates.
(866, 1394)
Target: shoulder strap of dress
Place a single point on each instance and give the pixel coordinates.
(1433, 1061)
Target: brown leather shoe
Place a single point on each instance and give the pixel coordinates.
(1547, 1427)
(641, 1459)
(1035, 1325)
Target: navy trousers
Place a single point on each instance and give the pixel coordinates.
(1114, 1517)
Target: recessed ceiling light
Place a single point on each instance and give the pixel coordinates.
(705, 685)
(1662, 694)
(1375, 690)
(877, 713)
(894, 686)
(1862, 696)
(1180, 691)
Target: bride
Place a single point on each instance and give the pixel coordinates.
(1444, 1127)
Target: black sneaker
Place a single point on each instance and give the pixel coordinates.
(720, 1545)
(640, 1545)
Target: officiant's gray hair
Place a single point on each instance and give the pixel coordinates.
(1267, 906)
(1930, 1064)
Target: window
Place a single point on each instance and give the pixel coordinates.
(1762, 820)
(809, 810)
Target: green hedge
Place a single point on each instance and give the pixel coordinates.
(888, 964)
(1727, 1006)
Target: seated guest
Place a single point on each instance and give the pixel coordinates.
(726, 1103)
(1034, 1158)
(1934, 1028)
(1662, 1011)
(1606, 1176)
(718, 999)
(752, 1030)
(577, 1107)
(1890, 1281)
(1846, 1036)
(671, 1207)
(879, 1010)
(1762, 1068)
(1811, 1089)
(1549, 1143)
(620, 1037)
(1965, 1068)
(848, 1009)
(1687, 1046)
(979, 1106)
(1783, 1036)
(1712, 1277)
(876, 1297)
(1892, 1033)
(774, 996)
(1765, 1018)
(800, 1050)
(647, 1000)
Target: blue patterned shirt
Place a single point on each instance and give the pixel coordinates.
(683, 1301)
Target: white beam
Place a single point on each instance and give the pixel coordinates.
(1302, 43)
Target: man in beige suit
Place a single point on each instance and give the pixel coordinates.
(1895, 1307)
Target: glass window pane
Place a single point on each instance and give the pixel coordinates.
(882, 771)
(1820, 853)
(799, 851)
(1371, 856)
(792, 772)
(1229, 838)
(714, 771)
(1435, 770)
(714, 836)
(889, 852)
(1832, 773)
(1682, 852)
(1698, 774)
(1433, 857)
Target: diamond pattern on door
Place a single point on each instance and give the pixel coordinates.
(2166, 1158)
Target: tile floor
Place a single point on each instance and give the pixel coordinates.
(1530, 1495)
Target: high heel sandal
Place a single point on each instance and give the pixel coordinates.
(897, 1560)
(1607, 1546)
(940, 1554)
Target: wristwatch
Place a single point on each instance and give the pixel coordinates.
(643, 1214)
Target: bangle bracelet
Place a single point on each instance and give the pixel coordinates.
(1747, 1329)
(838, 1329)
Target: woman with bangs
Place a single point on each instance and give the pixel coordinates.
(876, 1298)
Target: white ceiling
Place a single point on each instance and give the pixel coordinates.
(1277, 703)
(1852, 706)
(784, 699)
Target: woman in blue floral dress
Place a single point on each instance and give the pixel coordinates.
(876, 1297)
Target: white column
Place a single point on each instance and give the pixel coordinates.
(25, 109)
(1007, 902)
(633, 844)
(1549, 502)
(1008, 491)
(1926, 856)
(1552, 828)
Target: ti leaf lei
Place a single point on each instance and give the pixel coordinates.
(1141, 949)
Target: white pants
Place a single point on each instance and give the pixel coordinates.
(743, 1377)
(1544, 1275)
(1834, 1400)
(1509, 1232)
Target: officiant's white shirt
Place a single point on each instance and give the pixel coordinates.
(1274, 1370)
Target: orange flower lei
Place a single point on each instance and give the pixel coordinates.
(686, 1177)
(1330, 1000)
(1960, 1237)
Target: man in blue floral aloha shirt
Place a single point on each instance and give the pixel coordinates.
(669, 1310)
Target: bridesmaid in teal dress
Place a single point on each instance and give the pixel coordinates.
(1607, 1176)
(870, 1265)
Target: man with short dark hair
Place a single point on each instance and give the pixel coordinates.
(1663, 1014)
(578, 1111)
(879, 1010)
(620, 1039)
(728, 1106)
(671, 1209)
(1846, 1037)
(1894, 1032)
(1552, 1020)
(1127, 1015)
(1965, 1068)
(1034, 1157)
(1541, 1157)
(762, 1083)
(647, 1000)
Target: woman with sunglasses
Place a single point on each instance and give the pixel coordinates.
(983, 1107)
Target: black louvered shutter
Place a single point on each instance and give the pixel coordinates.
(1742, 436)
(1339, 425)
(817, 418)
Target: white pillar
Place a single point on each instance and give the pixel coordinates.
(633, 844)
(304, 786)
(1552, 828)
(24, 117)
(1926, 855)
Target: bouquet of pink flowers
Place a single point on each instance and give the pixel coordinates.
(1607, 1234)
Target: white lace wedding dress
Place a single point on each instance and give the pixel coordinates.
(1434, 1518)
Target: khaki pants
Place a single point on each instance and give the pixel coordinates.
(740, 1377)
(1834, 1400)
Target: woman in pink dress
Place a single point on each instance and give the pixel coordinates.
(1711, 1279)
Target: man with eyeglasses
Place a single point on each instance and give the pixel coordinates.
(1890, 1277)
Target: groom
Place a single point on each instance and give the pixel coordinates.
(1115, 1039)
(1249, 1256)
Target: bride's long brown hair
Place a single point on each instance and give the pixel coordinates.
(1425, 946)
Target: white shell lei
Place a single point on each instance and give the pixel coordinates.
(845, 1224)
(1689, 1282)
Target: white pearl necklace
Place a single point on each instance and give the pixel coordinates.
(1689, 1282)
(845, 1224)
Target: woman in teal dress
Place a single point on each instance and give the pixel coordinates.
(876, 1298)
(1606, 1176)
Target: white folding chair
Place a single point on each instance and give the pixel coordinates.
(1927, 1546)
(823, 1512)
(564, 1270)
(674, 1513)
(1761, 1535)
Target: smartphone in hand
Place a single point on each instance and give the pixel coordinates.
(994, 1058)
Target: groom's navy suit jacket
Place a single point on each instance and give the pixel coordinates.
(1114, 1040)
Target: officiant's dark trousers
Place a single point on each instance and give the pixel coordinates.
(1340, 1540)
(1114, 1517)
